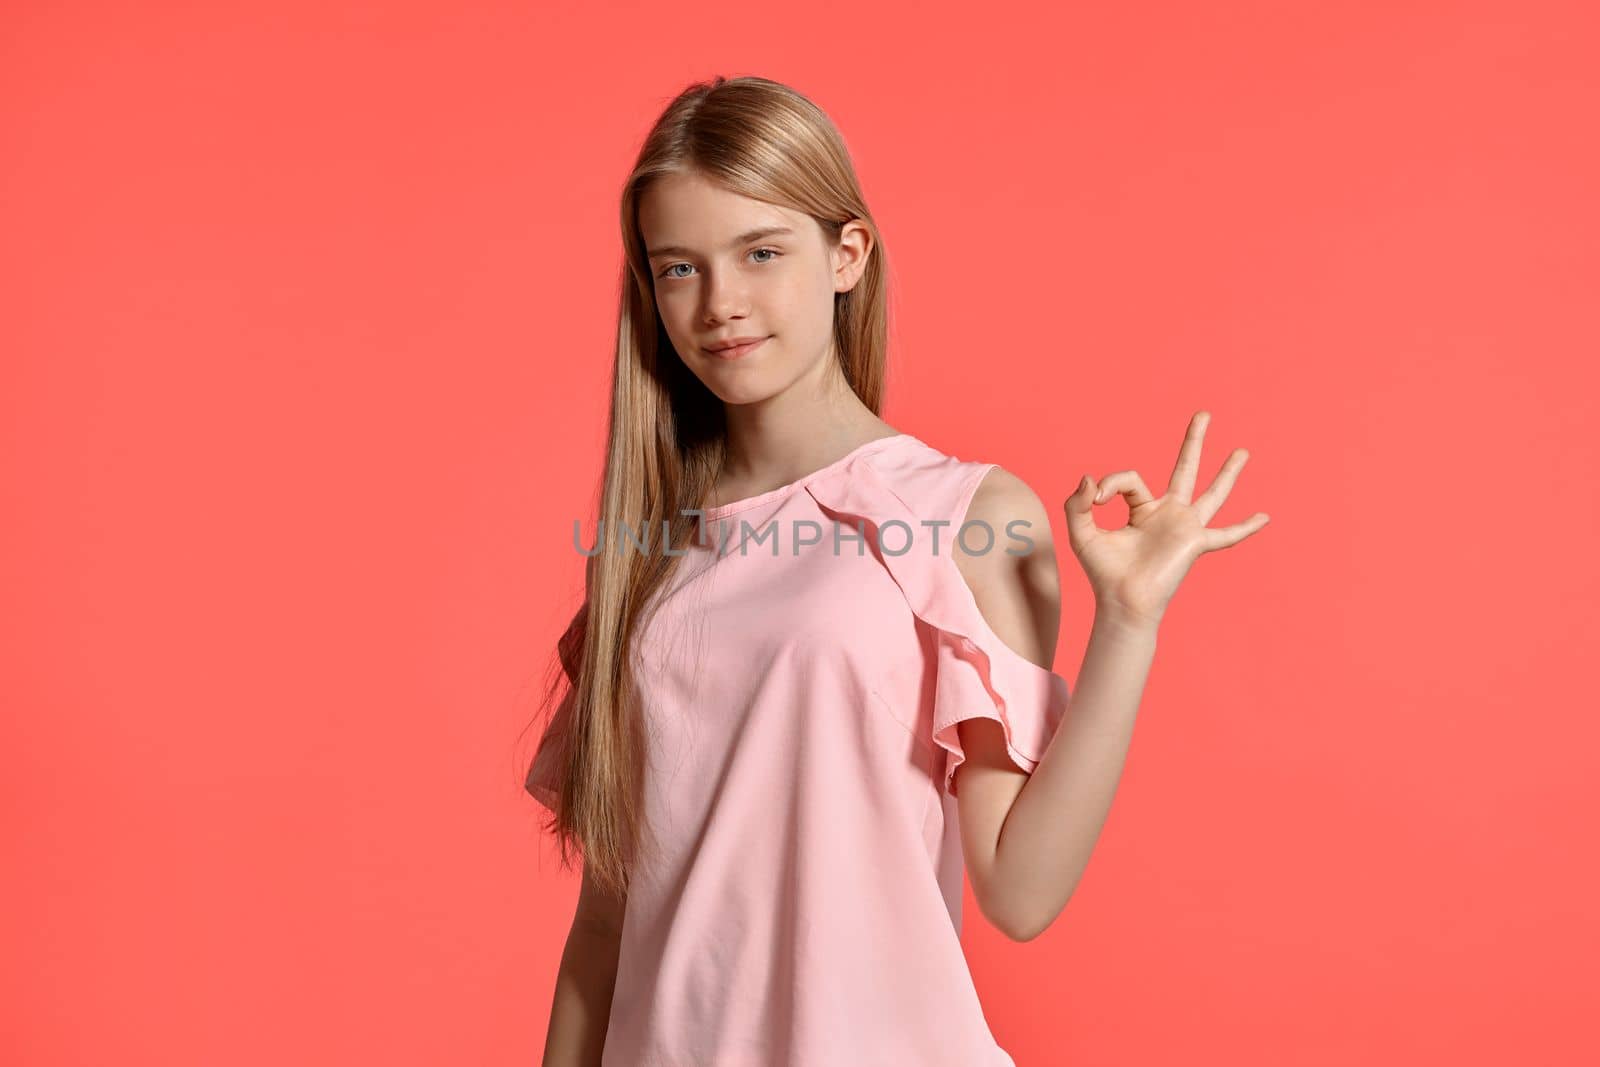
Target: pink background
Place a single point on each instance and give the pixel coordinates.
(307, 324)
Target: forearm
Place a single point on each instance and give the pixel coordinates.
(1053, 824)
(581, 1007)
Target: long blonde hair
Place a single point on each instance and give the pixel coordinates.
(763, 140)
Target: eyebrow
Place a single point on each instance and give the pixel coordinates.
(742, 239)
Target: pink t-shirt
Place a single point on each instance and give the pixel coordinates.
(801, 704)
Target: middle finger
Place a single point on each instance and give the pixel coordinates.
(1188, 465)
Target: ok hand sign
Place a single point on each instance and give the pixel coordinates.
(1135, 571)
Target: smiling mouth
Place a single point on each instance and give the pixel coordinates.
(737, 351)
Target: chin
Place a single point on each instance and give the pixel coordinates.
(738, 382)
(740, 392)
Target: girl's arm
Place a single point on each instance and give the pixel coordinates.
(1053, 817)
(581, 1007)
(1034, 833)
(1028, 838)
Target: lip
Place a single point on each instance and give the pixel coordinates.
(738, 351)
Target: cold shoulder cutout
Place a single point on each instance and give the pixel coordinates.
(974, 672)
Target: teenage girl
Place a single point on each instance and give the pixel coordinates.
(837, 691)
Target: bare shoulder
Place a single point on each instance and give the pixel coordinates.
(1002, 495)
(1015, 580)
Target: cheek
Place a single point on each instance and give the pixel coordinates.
(795, 298)
(675, 312)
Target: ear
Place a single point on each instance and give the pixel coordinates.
(850, 255)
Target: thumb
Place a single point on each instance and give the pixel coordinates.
(1079, 508)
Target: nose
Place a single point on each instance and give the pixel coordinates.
(725, 298)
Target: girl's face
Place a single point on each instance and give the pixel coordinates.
(727, 267)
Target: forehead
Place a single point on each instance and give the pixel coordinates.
(686, 212)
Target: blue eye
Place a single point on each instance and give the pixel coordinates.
(667, 272)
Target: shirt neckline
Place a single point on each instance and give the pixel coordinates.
(732, 506)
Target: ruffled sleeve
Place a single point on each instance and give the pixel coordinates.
(544, 781)
(976, 674)
(544, 773)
